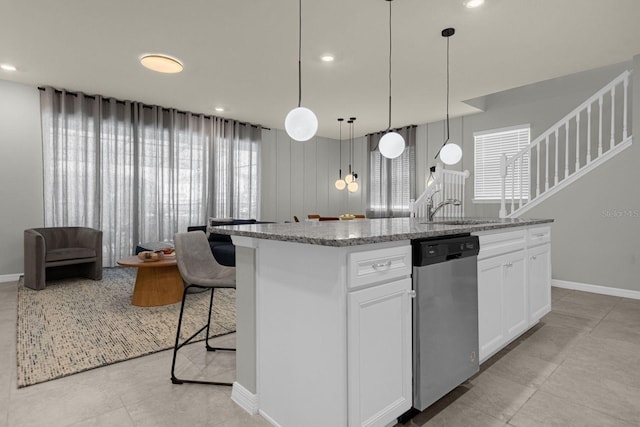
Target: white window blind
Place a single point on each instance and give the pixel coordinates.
(489, 148)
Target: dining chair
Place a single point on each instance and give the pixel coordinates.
(295, 218)
(199, 269)
(313, 216)
(329, 218)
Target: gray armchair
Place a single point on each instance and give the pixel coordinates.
(57, 252)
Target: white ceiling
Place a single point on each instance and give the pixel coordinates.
(242, 54)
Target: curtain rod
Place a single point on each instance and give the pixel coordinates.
(40, 88)
(396, 129)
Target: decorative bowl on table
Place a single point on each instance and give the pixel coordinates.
(150, 256)
(346, 217)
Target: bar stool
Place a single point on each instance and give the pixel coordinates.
(199, 269)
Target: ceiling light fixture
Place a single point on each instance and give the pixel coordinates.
(449, 153)
(8, 67)
(162, 63)
(219, 109)
(301, 123)
(327, 58)
(470, 4)
(340, 183)
(391, 144)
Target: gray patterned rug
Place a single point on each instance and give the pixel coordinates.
(74, 325)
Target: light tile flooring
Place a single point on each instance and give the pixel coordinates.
(579, 367)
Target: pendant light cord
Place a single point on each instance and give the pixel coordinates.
(447, 36)
(340, 169)
(390, 47)
(299, 53)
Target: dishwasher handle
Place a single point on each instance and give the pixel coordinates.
(434, 251)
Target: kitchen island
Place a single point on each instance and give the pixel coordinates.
(324, 312)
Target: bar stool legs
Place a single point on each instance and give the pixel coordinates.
(178, 345)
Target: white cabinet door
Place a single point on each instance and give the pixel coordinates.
(379, 353)
(490, 322)
(502, 301)
(539, 271)
(515, 295)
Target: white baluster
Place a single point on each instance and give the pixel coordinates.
(538, 170)
(546, 167)
(566, 147)
(520, 182)
(513, 184)
(613, 117)
(624, 117)
(577, 141)
(600, 128)
(555, 177)
(589, 134)
(503, 167)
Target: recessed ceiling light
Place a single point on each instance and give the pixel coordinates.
(161, 63)
(327, 58)
(473, 3)
(220, 109)
(8, 67)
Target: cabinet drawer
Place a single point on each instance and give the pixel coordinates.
(538, 235)
(378, 265)
(493, 244)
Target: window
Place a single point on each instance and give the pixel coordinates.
(489, 148)
(391, 182)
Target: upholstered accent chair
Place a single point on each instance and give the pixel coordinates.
(58, 252)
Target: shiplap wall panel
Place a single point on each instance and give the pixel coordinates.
(283, 171)
(268, 169)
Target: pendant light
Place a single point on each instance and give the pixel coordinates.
(432, 178)
(301, 123)
(353, 185)
(450, 153)
(340, 183)
(349, 178)
(391, 144)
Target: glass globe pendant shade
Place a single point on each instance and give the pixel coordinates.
(340, 184)
(391, 145)
(352, 187)
(451, 154)
(348, 179)
(301, 124)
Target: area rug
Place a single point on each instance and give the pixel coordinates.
(74, 325)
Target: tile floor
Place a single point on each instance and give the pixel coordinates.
(579, 367)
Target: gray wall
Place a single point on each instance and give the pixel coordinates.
(597, 218)
(21, 188)
(298, 177)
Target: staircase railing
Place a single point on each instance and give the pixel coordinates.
(447, 184)
(577, 141)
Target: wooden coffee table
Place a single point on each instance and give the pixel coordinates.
(157, 282)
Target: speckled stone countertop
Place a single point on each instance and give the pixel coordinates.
(366, 231)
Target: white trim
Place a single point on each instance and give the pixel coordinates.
(486, 201)
(244, 398)
(596, 289)
(501, 130)
(269, 419)
(10, 277)
(610, 154)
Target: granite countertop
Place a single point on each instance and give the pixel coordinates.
(366, 231)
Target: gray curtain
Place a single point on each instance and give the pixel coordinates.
(142, 173)
(391, 181)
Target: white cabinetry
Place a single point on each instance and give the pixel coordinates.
(514, 284)
(539, 273)
(333, 333)
(502, 301)
(379, 353)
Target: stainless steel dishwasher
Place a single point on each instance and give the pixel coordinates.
(445, 316)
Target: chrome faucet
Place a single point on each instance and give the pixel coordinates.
(431, 211)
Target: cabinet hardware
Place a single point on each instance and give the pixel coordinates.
(509, 264)
(539, 235)
(412, 293)
(381, 266)
(533, 257)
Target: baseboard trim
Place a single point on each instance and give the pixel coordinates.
(596, 289)
(244, 398)
(269, 419)
(10, 277)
